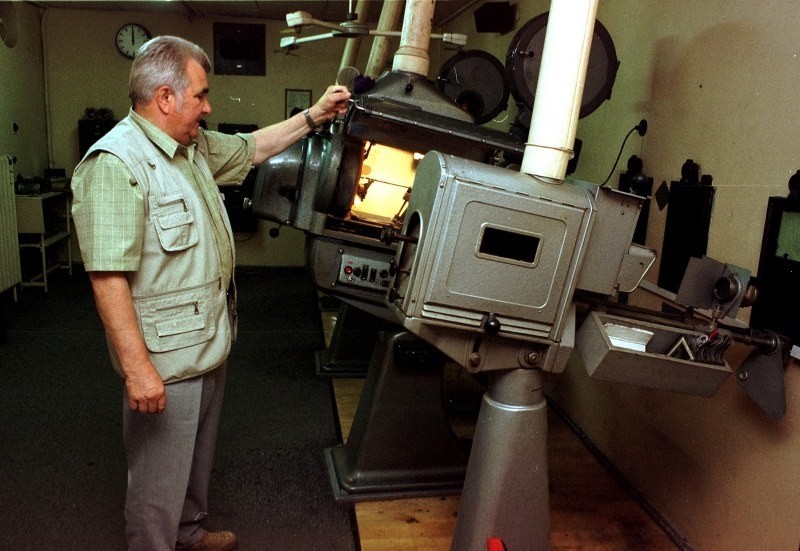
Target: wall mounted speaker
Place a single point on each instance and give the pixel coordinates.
(240, 49)
(494, 17)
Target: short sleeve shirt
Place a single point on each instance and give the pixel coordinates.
(108, 207)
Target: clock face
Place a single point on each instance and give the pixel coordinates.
(130, 38)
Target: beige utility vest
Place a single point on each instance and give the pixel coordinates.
(178, 292)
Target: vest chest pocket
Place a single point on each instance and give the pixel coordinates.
(174, 222)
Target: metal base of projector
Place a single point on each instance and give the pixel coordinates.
(352, 342)
(505, 493)
(400, 444)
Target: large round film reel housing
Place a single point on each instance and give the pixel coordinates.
(476, 81)
(524, 56)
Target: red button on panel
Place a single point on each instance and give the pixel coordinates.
(348, 270)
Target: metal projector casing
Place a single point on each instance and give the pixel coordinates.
(493, 247)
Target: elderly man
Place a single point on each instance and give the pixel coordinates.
(158, 248)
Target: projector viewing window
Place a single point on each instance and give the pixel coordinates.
(501, 243)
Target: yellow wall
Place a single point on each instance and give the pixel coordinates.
(717, 82)
(22, 92)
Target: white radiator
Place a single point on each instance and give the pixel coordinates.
(10, 273)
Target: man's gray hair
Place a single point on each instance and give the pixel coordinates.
(162, 61)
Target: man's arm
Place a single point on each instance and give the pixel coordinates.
(275, 138)
(115, 306)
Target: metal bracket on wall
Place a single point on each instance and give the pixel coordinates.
(761, 377)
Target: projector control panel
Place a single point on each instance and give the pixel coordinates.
(364, 271)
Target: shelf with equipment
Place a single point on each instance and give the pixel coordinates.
(43, 221)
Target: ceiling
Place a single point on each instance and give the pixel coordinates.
(326, 10)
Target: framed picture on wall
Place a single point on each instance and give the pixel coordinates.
(297, 100)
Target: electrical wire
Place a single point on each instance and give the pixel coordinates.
(641, 128)
(628, 135)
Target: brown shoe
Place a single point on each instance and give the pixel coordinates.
(213, 541)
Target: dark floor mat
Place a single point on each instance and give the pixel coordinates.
(62, 468)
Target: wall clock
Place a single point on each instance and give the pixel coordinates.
(130, 38)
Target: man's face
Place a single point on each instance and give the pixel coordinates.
(186, 118)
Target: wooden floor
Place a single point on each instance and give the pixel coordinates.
(589, 510)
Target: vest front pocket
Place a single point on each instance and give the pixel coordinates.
(180, 319)
(174, 222)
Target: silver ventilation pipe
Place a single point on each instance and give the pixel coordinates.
(379, 54)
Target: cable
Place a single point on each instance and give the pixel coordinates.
(641, 128)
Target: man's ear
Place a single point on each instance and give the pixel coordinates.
(165, 99)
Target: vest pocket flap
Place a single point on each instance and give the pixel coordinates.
(174, 220)
(173, 327)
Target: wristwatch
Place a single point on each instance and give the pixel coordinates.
(309, 120)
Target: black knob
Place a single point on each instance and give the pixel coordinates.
(690, 172)
(388, 234)
(274, 232)
(726, 289)
(794, 186)
(492, 325)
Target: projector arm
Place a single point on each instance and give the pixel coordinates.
(348, 29)
(299, 18)
(292, 42)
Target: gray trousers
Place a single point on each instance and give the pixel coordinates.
(169, 464)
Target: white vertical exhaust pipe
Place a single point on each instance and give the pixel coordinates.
(562, 74)
(412, 55)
